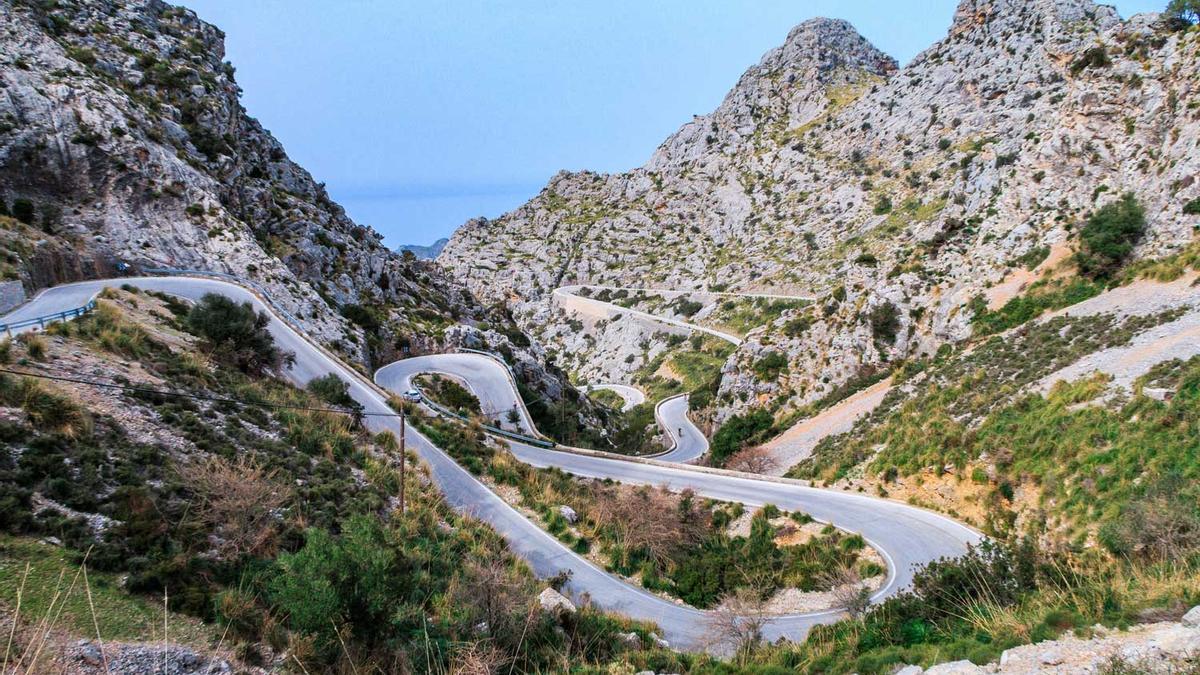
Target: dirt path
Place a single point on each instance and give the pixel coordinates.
(1179, 339)
(1020, 278)
(1137, 299)
(797, 443)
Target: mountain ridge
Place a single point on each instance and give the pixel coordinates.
(425, 252)
(907, 192)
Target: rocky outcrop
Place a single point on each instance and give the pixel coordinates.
(121, 132)
(1165, 647)
(895, 195)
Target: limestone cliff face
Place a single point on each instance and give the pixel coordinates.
(123, 140)
(827, 170)
(121, 126)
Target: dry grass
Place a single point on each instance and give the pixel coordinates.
(238, 500)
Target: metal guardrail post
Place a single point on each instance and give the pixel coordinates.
(42, 321)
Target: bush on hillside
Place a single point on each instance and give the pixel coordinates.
(236, 334)
(335, 391)
(23, 210)
(885, 323)
(1184, 11)
(1109, 237)
(740, 431)
(1162, 524)
(771, 366)
(685, 307)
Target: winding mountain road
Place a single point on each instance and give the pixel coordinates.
(688, 443)
(905, 535)
(569, 297)
(630, 395)
(485, 377)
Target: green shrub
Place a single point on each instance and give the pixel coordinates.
(1192, 208)
(364, 317)
(1109, 236)
(685, 307)
(354, 578)
(1095, 57)
(236, 334)
(46, 409)
(334, 390)
(23, 210)
(454, 396)
(885, 322)
(883, 205)
(1185, 12)
(771, 366)
(740, 431)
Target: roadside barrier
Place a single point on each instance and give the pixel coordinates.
(43, 321)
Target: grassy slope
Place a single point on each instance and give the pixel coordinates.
(54, 581)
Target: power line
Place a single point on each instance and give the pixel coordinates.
(199, 397)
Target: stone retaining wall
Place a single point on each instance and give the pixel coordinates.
(12, 293)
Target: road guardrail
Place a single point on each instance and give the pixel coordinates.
(43, 321)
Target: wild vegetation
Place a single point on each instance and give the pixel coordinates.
(277, 527)
(999, 596)
(1089, 497)
(451, 394)
(674, 544)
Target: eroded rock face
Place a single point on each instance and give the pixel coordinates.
(121, 127)
(885, 192)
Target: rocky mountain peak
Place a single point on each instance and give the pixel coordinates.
(826, 170)
(826, 45)
(822, 61)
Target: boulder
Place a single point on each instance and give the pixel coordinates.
(555, 603)
(1192, 617)
(630, 640)
(955, 668)
(568, 513)
(89, 653)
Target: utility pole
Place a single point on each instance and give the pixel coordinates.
(402, 460)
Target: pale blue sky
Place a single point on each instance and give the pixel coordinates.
(419, 115)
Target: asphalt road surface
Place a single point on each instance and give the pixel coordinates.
(905, 535)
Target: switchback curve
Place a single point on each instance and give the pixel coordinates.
(905, 535)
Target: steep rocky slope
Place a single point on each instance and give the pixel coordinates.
(123, 140)
(895, 195)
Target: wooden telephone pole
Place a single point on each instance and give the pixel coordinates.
(402, 460)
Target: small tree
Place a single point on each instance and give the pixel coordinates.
(22, 210)
(885, 323)
(1109, 236)
(848, 591)
(1184, 10)
(335, 391)
(236, 334)
(737, 623)
(739, 431)
(755, 459)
